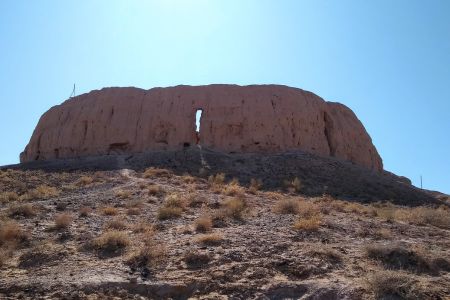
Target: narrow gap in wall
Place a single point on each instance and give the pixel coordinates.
(198, 117)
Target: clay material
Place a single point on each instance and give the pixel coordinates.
(257, 118)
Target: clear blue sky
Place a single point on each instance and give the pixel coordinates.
(388, 60)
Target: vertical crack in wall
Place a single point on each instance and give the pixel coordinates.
(328, 133)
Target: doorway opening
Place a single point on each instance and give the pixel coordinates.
(198, 118)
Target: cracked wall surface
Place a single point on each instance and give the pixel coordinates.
(257, 118)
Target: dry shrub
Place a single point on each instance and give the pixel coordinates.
(85, 211)
(155, 190)
(203, 224)
(438, 217)
(156, 172)
(41, 192)
(287, 206)
(212, 239)
(394, 285)
(255, 185)
(148, 256)
(175, 200)
(8, 197)
(123, 194)
(196, 200)
(188, 178)
(63, 221)
(116, 224)
(12, 234)
(218, 179)
(134, 211)
(308, 208)
(196, 259)
(111, 242)
(233, 189)
(309, 223)
(327, 254)
(358, 208)
(143, 227)
(234, 208)
(85, 180)
(110, 211)
(135, 204)
(165, 213)
(399, 257)
(22, 210)
(274, 195)
(383, 233)
(294, 185)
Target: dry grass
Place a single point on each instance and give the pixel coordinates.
(188, 178)
(294, 185)
(85, 211)
(110, 211)
(22, 210)
(383, 233)
(8, 197)
(156, 172)
(233, 189)
(135, 204)
(203, 224)
(438, 217)
(175, 200)
(165, 213)
(63, 221)
(155, 190)
(11, 234)
(111, 241)
(85, 180)
(149, 256)
(212, 239)
(287, 206)
(394, 285)
(196, 200)
(41, 192)
(123, 194)
(234, 208)
(218, 179)
(309, 223)
(116, 224)
(143, 227)
(255, 185)
(134, 211)
(399, 257)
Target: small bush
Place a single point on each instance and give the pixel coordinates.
(155, 190)
(287, 206)
(110, 211)
(310, 223)
(63, 221)
(383, 233)
(12, 233)
(398, 257)
(394, 285)
(116, 224)
(255, 185)
(123, 194)
(41, 192)
(85, 180)
(149, 256)
(111, 242)
(294, 185)
(188, 178)
(134, 211)
(8, 197)
(85, 211)
(233, 189)
(196, 259)
(165, 213)
(203, 224)
(143, 227)
(218, 179)
(234, 208)
(212, 239)
(196, 200)
(425, 216)
(156, 172)
(22, 210)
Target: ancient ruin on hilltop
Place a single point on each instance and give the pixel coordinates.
(257, 118)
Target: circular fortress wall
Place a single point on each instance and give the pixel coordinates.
(257, 118)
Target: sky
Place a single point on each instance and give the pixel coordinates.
(389, 61)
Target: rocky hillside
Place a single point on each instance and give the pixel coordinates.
(156, 233)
